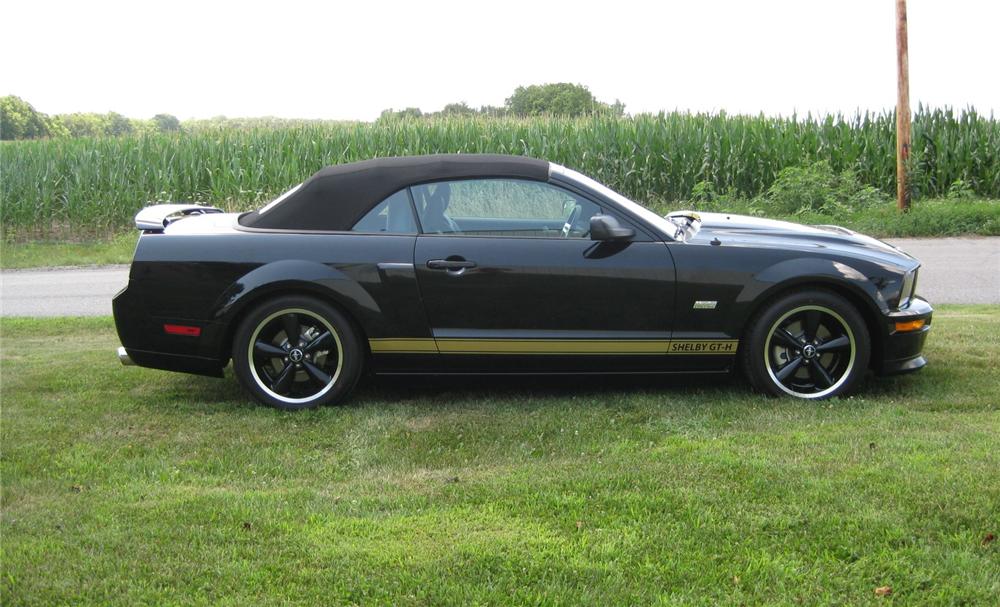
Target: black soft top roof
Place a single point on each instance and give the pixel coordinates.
(336, 197)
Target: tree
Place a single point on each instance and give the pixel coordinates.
(457, 109)
(493, 110)
(166, 123)
(19, 120)
(410, 112)
(80, 125)
(117, 125)
(561, 98)
(95, 125)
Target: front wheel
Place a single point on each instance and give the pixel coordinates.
(297, 353)
(812, 344)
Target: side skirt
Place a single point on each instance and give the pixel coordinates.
(550, 356)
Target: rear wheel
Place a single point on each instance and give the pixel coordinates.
(811, 345)
(297, 353)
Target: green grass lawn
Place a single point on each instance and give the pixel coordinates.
(52, 253)
(125, 486)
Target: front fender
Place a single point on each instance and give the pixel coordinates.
(815, 270)
(299, 275)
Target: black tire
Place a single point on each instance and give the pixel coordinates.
(811, 344)
(320, 367)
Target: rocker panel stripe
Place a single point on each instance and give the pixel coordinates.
(566, 347)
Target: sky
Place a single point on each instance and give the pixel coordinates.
(351, 60)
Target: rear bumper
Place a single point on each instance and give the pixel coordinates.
(902, 351)
(146, 344)
(171, 362)
(124, 358)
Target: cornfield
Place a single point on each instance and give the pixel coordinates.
(93, 184)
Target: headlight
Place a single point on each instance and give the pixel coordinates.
(908, 288)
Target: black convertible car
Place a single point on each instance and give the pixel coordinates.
(457, 264)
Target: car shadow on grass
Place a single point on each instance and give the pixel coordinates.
(227, 395)
(490, 387)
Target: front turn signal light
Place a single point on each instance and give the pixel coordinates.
(910, 325)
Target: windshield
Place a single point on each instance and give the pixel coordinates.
(664, 225)
(278, 200)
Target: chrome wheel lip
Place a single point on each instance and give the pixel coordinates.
(843, 377)
(265, 387)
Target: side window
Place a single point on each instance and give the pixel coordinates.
(502, 207)
(394, 215)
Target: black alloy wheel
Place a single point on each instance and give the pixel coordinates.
(811, 345)
(297, 353)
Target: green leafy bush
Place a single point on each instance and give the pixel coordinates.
(817, 187)
(961, 190)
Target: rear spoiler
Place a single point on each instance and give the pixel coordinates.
(159, 216)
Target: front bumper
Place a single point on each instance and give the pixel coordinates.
(902, 351)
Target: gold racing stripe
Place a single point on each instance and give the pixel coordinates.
(457, 345)
(552, 346)
(403, 345)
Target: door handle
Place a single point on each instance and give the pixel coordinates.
(450, 264)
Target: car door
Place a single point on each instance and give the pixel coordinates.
(511, 281)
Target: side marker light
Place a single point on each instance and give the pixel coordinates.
(185, 330)
(910, 325)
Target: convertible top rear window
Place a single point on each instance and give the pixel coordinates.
(280, 199)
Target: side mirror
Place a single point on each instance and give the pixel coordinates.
(606, 227)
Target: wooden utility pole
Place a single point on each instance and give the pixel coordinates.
(902, 108)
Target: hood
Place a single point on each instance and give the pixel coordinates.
(741, 230)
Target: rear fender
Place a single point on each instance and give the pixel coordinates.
(296, 275)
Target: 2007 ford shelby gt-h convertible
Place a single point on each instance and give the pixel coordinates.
(457, 264)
